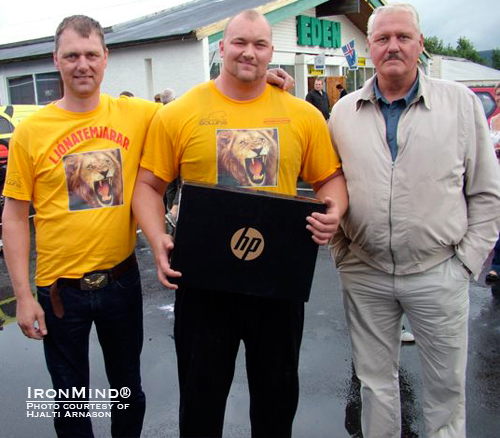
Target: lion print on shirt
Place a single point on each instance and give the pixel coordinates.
(94, 179)
(247, 157)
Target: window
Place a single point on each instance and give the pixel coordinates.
(215, 70)
(21, 90)
(357, 78)
(36, 89)
(487, 100)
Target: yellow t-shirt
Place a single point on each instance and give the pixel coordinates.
(265, 143)
(79, 169)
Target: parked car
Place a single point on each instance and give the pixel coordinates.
(10, 116)
(487, 97)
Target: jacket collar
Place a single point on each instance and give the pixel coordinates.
(367, 93)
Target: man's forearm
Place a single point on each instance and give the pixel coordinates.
(335, 189)
(149, 211)
(16, 240)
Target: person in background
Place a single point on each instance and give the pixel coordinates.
(494, 272)
(319, 98)
(341, 90)
(157, 98)
(424, 212)
(167, 96)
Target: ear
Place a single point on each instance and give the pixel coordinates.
(221, 48)
(106, 53)
(56, 60)
(421, 43)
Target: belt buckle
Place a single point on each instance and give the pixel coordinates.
(94, 281)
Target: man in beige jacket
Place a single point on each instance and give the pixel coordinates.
(424, 211)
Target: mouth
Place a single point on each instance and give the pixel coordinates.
(256, 169)
(103, 190)
(247, 63)
(393, 59)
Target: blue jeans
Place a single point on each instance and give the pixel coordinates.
(116, 311)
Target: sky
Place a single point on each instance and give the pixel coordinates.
(477, 20)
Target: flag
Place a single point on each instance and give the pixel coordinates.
(350, 55)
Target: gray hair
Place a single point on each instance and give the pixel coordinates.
(167, 95)
(394, 7)
(82, 25)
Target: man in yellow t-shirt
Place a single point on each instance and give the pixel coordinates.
(77, 160)
(201, 136)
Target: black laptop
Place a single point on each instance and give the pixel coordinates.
(245, 241)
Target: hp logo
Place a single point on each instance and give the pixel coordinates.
(247, 244)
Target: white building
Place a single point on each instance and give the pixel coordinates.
(178, 48)
(463, 70)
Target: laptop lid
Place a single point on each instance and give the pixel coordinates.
(245, 241)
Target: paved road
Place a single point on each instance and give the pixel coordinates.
(329, 403)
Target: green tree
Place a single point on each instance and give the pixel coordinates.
(465, 49)
(434, 45)
(495, 59)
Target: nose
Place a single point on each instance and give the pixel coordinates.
(249, 53)
(82, 63)
(393, 44)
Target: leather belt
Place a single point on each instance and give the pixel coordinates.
(90, 281)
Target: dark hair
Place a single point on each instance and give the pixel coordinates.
(126, 93)
(339, 87)
(82, 25)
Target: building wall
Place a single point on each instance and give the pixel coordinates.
(148, 69)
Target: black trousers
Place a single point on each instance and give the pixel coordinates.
(208, 329)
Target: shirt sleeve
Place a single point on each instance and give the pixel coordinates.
(158, 154)
(19, 178)
(482, 193)
(320, 160)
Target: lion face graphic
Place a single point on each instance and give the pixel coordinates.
(94, 179)
(248, 156)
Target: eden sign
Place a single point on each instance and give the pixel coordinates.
(312, 31)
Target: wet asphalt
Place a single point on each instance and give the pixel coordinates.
(329, 402)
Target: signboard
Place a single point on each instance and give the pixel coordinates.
(319, 62)
(312, 31)
(313, 72)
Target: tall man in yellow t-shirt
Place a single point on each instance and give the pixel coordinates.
(76, 160)
(286, 138)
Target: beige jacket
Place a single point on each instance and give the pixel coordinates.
(439, 198)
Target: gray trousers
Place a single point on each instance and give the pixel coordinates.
(436, 303)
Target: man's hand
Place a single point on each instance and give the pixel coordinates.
(162, 250)
(323, 226)
(280, 78)
(31, 318)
